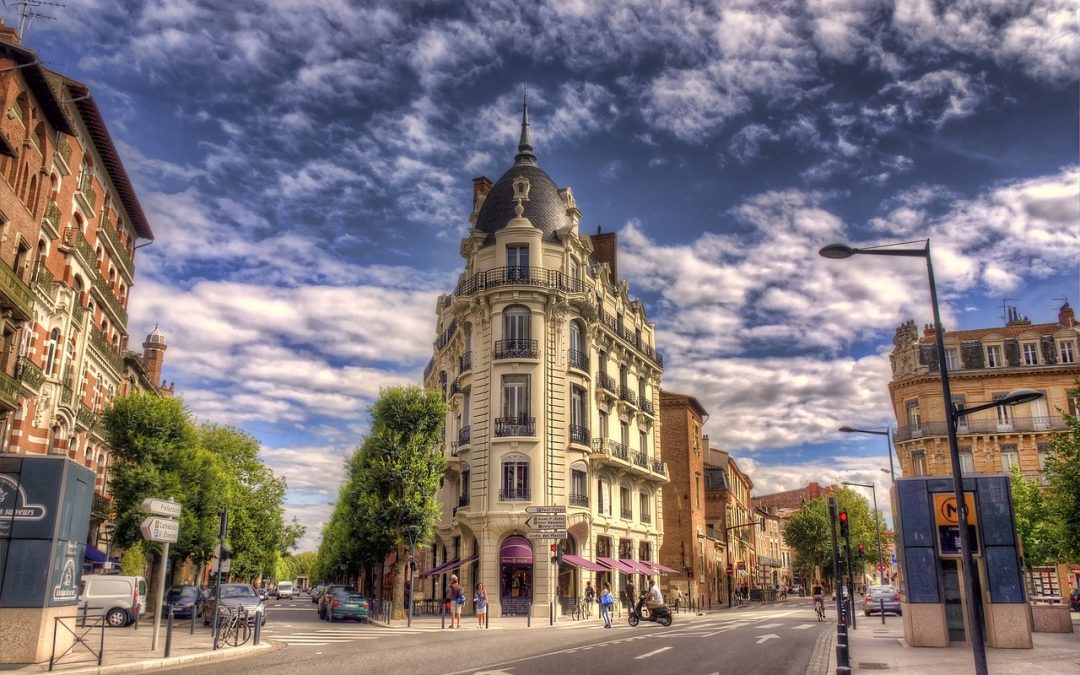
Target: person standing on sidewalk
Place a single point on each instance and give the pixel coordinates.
(678, 598)
(606, 601)
(457, 601)
(590, 596)
(630, 595)
(481, 604)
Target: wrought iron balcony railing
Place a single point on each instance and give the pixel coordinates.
(464, 435)
(517, 349)
(579, 434)
(632, 338)
(983, 426)
(515, 494)
(609, 447)
(627, 394)
(523, 276)
(646, 517)
(641, 459)
(578, 360)
(15, 294)
(607, 382)
(465, 362)
(28, 372)
(646, 405)
(627, 514)
(659, 467)
(579, 500)
(446, 336)
(515, 426)
(463, 500)
(9, 390)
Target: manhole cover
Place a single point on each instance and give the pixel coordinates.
(874, 666)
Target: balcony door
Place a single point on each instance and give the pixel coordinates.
(1040, 414)
(517, 261)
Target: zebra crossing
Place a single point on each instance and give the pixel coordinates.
(318, 636)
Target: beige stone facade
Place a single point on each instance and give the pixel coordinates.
(984, 364)
(553, 380)
(730, 524)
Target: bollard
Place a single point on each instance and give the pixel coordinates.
(258, 628)
(85, 607)
(883, 609)
(168, 633)
(193, 612)
(442, 613)
(137, 615)
(842, 656)
(528, 616)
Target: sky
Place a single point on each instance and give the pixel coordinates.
(307, 170)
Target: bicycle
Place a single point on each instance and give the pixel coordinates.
(233, 626)
(819, 607)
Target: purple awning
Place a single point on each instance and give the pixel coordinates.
(516, 550)
(660, 569)
(637, 566)
(578, 561)
(447, 566)
(617, 565)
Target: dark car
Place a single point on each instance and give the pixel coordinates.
(230, 597)
(1074, 600)
(327, 595)
(184, 600)
(345, 605)
(316, 592)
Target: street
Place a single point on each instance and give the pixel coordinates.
(774, 638)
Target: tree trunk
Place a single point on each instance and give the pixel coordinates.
(400, 611)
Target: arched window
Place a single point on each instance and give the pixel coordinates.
(79, 223)
(39, 137)
(603, 497)
(626, 503)
(42, 250)
(517, 323)
(54, 186)
(466, 473)
(515, 478)
(99, 255)
(645, 507)
(32, 196)
(579, 484)
(51, 347)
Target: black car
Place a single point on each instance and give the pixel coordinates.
(1074, 600)
(231, 597)
(184, 600)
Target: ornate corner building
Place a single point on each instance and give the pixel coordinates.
(69, 222)
(553, 379)
(984, 364)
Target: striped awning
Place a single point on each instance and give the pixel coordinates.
(639, 568)
(616, 565)
(578, 561)
(660, 569)
(447, 566)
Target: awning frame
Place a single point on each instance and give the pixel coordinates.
(582, 563)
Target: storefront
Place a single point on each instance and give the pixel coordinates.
(515, 575)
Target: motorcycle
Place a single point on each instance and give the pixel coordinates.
(660, 615)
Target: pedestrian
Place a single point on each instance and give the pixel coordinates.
(678, 598)
(456, 595)
(630, 595)
(606, 601)
(481, 604)
(590, 596)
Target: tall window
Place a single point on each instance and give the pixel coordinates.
(603, 430)
(575, 269)
(517, 323)
(624, 437)
(466, 474)
(1010, 457)
(959, 402)
(1031, 354)
(918, 462)
(517, 260)
(52, 346)
(645, 507)
(993, 357)
(1004, 414)
(515, 477)
(643, 439)
(913, 413)
(1066, 351)
(579, 485)
(578, 413)
(577, 338)
(625, 504)
(641, 391)
(952, 359)
(515, 390)
(603, 496)
(967, 461)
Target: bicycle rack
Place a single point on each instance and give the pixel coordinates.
(80, 639)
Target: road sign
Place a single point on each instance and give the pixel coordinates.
(161, 507)
(552, 521)
(160, 529)
(946, 512)
(546, 535)
(545, 509)
(882, 568)
(730, 570)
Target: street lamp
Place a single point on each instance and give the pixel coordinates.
(877, 530)
(975, 608)
(888, 442)
(414, 531)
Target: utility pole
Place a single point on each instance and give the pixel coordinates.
(222, 531)
(837, 580)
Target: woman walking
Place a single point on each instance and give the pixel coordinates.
(481, 604)
(457, 601)
(606, 601)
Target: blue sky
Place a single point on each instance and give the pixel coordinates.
(307, 170)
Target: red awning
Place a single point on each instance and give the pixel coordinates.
(447, 566)
(578, 561)
(660, 569)
(638, 567)
(617, 565)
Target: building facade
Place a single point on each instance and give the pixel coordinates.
(984, 364)
(553, 379)
(732, 525)
(69, 222)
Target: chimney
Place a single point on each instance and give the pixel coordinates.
(1066, 316)
(605, 250)
(9, 34)
(480, 188)
(928, 330)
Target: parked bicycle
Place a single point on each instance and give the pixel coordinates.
(233, 628)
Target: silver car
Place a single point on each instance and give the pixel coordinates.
(876, 595)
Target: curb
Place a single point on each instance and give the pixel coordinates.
(186, 660)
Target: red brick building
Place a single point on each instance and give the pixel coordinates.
(791, 499)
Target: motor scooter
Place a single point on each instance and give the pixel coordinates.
(660, 615)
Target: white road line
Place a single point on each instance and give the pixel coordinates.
(652, 653)
(769, 625)
(803, 626)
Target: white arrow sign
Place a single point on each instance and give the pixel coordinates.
(555, 521)
(546, 535)
(159, 529)
(764, 638)
(160, 507)
(545, 509)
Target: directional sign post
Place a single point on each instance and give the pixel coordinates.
(163, 530)
(555, 535)
(545, 509)
(161, 507)
(554, 521)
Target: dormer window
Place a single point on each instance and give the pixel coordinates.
(993, 356)
(1066, 351)
(1031, 354)
(952, 359)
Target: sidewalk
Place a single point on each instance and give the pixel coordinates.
(128, 650)
(875, 648)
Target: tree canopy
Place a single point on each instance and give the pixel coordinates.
(807, 533)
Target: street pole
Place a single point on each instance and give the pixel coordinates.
(222, 531)
(412, 577)
(877, 532)
(160, 595)
(836, 558)
(850, 581)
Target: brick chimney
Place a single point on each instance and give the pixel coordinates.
(9, 34)
(481, 186)
(1066, 316)
(605, 250)
(928, 330)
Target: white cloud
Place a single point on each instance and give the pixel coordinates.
(940, 96)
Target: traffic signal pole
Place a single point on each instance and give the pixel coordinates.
(222, 531)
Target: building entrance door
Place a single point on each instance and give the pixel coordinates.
(954, 604)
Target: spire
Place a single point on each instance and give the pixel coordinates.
(525, 149)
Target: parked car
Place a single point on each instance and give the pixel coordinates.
(343, 605)
(316, 592)
(1074, 600)
(184, 600)
(284, 590)
(234, 596)
(875, 595)
(118, 598)
(327, 595)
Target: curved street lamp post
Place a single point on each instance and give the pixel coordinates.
(953, 413)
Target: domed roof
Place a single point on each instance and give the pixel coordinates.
(545, 209)
(155, 338)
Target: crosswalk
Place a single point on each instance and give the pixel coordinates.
(317, 636)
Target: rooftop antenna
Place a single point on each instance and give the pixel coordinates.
(1006, 316)
(28, 10)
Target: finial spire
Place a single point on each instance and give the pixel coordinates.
(525, 149)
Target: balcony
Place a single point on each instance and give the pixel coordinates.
(607, 383)
(516, 349)
(523, 276)
(463, 500)
(578, 360)
(967, 426)
(15, 294)
(84, 417)
(446, 336)
(51, 219)
(641, 459)
(464, 435)
(631, 338)
(646, 406)
(628, 395)
(63, 152)
(102, 346)
(626, 514)
(579, 435)
(515, 426)
(465, 362)
(9, 391)
(28, 373)
(109, 298)
(99, 507)
(659, 468)
(646, 517)
(515, 495)
(119, 253)
(75, 241)
(607, 448)
(85, 191)
(579, 500)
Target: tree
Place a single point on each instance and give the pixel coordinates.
(1040, 532)
(1063, 474)
(807, 533)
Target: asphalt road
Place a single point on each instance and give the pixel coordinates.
(767, 640)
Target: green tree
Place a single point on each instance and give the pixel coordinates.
(1063, 474)
(305, 564)
(807, 533)
(1040, 532)
(133, 562)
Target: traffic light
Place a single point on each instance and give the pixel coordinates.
(860, 547)
(843, 523)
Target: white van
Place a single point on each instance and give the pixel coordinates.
(284, 590)
(115, 597)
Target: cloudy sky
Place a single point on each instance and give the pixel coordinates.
(307, 170)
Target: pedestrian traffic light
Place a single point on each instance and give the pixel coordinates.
(860, 547)
(843, 523)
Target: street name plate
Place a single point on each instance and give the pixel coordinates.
(547, 521)
(160, 507)
(546, 535)
(160, 529)
(545, 509)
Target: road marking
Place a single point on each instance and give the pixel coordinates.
(803, 626)
(765, 638)
(652, 653)
(768, 625)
